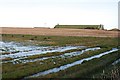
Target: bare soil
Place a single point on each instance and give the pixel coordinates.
(60, 32)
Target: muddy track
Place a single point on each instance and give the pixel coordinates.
(60, 32)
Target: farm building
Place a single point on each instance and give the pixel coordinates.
(99, 27)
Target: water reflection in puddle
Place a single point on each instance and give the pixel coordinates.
(71, 64)
(25, 51)
(116, 62)
(66, 55)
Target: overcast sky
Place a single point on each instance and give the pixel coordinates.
(51, 12)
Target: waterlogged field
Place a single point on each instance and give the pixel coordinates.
(31, 57)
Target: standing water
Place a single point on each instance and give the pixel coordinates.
(66, 55)
(71, 64)
(25, 51)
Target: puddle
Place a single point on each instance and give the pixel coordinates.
(25, 51)
(117, 61)
(66, 55)
(71, 64)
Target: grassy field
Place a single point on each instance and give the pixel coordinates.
(22, 70)
(62, 40)
(88, 69)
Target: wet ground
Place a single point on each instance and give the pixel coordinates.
(19, 54)
(71, 64)
(17, 50)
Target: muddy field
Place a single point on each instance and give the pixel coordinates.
(60, 32)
